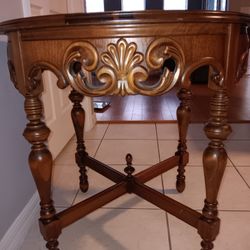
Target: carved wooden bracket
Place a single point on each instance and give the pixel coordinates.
(122, 70)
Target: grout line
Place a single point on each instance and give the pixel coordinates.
(167, 219)
(101, 140)
(238, 171)
(241, 175)
(74, 199)
(169, 234)
(236, 210)
(157, 140)
(131, 208)
(126, 139)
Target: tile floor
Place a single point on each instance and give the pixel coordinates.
(130, 223)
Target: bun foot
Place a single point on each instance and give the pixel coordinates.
(84, 187)
(180, 185)
(207, 245)
(52, 245)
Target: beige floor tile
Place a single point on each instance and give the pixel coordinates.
(196, 132)
(245, 172)
(239, 152)
(241, 131)
(67, 156)
(170, 132)
(231, 197)
(65, 184)
(167, 131)
(131, 131)
(230, 238)
(114, 151)
(97, 132)
(99, 183)
(107, 229)
(194, 194)
(195, 149)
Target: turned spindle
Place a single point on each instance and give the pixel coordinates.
(214, 164)
(183, 118)
(40, 161)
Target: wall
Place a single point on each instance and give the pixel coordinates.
(16, 183)
(235, 5)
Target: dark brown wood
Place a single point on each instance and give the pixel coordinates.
(124, 50)
(159, 168)
(78, 118)
(76, 212)
(183, 117)
(40, 160)
(104, 170)
(171, 206)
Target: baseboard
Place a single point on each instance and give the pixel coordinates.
(17, 232)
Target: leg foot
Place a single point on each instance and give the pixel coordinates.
(52, 245)
(206, 245)
(84, 183)
(180, 183)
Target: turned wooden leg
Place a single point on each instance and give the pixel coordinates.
(214, 163)
(40, 161)
(78, 118)
(183, 117)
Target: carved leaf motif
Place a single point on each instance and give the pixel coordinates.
(121, 66)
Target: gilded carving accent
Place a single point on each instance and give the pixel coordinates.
(80, 57)
(159, 51)
(122, 68)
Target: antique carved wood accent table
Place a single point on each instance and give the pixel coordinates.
(123, 50)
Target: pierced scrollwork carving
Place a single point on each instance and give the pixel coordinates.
(122, 68)
(80, 57)
(159, 51)
(243, 64)
(216, 73)
(124, 74)
(35, 76)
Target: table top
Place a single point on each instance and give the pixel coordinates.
(123, 18)
(125, 50)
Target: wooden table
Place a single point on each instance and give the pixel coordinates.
(124, 50)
